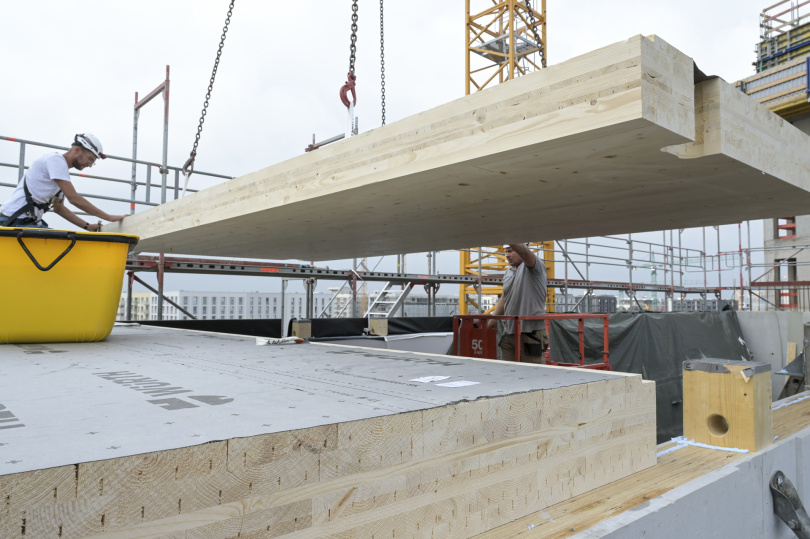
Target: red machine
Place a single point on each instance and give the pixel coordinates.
(471, 337)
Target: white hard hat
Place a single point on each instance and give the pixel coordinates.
(91, 142)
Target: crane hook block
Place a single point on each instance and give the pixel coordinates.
(346, 88)
(188, 167)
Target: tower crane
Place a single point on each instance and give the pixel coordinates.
(506, 39)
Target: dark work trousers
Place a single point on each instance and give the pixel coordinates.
(538, 337)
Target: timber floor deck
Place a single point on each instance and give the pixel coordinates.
(673, 470)
(173, 433)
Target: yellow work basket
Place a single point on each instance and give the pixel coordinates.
(60, 286)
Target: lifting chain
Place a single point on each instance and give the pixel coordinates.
(353, 45)
(350, 78)
(188, 168)
(382, 62)
(540, 44)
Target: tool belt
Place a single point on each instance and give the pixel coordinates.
(535, 348)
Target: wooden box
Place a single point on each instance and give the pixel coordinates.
(727, 403)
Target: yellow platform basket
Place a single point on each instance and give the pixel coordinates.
(60, 286)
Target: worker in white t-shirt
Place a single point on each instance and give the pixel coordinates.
(47, 183)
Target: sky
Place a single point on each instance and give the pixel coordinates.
(73, 67)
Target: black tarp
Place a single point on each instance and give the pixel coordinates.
(269, 328)
(354, 327)
(420, 324)
(333, 327)
(655, 345)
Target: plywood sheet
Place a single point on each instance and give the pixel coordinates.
(618, 140)
(304, 440)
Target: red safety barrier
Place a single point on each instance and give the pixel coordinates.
(472, 338)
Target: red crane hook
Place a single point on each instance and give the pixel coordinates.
(348, 87)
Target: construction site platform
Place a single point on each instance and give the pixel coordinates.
(161, 432)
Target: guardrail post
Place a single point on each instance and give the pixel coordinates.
(160, 271)
(130, 278)
(22, 162)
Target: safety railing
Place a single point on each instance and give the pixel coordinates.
(472, 337)
(132, 183)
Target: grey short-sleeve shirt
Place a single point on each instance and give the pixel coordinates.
(524, 294)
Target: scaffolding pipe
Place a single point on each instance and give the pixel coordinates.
(160, 273)
(750, 296)
(130, 279)
(680, 258)
(284, 283)
(742, 292)
(630, 265)
(705, 277)
(719, 272)
(21, 172)
(565, 261)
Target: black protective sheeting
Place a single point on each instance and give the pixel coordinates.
(270, 328)
(420, 324)
(655, 345)
(335, 327)
(352, 338)
(354, 327)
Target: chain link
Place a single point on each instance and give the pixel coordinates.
(540, 44)
(353, 46)
(382, 62)
(188, 168)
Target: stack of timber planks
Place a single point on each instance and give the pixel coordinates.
(622, 139)
(450, 471)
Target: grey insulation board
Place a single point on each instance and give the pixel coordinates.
(147, 389)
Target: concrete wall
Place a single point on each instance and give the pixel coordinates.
(734, 501)
(767, 335)
(787, 248)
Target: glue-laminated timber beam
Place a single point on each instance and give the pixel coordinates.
(574, 150)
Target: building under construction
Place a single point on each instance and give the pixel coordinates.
(341, 415)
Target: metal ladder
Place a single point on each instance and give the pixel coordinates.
(388, 301)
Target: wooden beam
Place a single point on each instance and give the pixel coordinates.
(570, 151)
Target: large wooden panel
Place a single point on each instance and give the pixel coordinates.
(172, 433)
(677, 466)
(570, 151)
(450, 471)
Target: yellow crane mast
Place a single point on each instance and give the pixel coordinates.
(506, 39)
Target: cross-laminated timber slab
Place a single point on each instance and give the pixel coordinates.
(570, 151)
(159, 432)
(670, 500)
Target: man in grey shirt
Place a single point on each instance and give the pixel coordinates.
(524, 294)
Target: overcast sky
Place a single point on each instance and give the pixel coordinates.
(71, 67)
